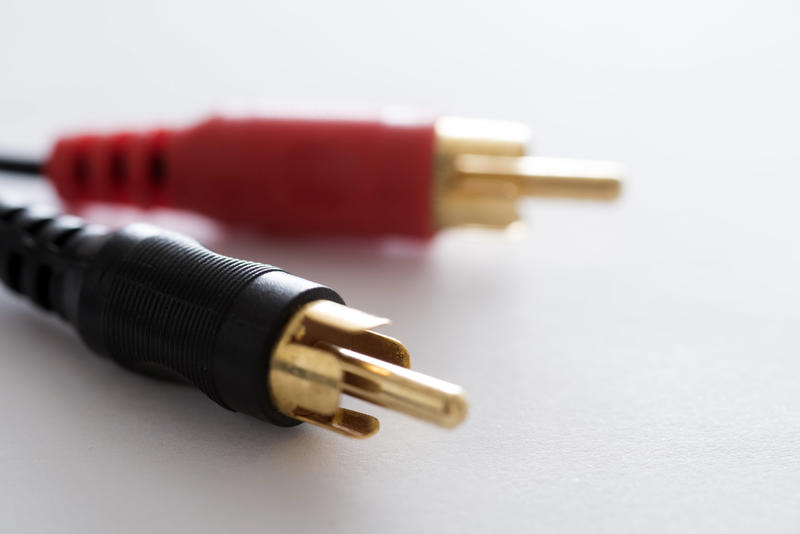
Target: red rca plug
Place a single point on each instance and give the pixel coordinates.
(320, 176)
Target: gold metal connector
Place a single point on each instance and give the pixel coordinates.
(481, 171)
(328, 349)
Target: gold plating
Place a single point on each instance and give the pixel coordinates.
(481, 172)
(328, 349)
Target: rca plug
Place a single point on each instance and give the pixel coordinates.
(252, 337)
(347, 177)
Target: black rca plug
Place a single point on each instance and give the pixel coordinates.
(252, 337)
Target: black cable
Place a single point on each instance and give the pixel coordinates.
(252, 337)
(20, 165)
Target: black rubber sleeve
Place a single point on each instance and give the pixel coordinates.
(157, 302)
(45, 256)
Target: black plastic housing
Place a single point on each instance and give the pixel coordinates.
(157, 302)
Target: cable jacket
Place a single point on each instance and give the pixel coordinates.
(19, 165)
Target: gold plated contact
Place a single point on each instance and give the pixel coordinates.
(328, 349)
(481, 171)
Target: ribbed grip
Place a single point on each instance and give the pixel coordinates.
(164, 303)
(125, 167)
(39, 251)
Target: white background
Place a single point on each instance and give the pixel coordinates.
(630, 366)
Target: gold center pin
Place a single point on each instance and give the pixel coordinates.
(482, 172)
(328, 349)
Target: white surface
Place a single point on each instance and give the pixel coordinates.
(631, 367)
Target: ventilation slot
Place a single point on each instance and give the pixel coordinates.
(34, 227)
(62, 238)
(119, 170)
(14, 272)
(44, 276)
(157, 169)
(81, 170)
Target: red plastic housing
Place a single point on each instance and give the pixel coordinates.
(282, 176)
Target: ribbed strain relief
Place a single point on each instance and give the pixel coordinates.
(124, 168)
(37, 249)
